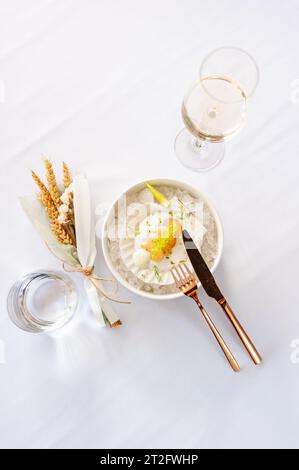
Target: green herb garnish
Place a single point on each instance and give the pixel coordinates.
(157, 273)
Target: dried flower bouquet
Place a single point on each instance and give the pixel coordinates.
(63, 217)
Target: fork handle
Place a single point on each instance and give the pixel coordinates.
(255, 356)
(235, 366)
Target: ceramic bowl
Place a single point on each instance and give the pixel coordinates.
(158, 182)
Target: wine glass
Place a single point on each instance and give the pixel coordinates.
(215, 108)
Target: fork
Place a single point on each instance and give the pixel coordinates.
(186, 283)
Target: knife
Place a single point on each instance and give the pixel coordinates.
(209, 284)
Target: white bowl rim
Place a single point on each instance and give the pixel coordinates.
(160, 181)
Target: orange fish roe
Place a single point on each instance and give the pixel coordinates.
(162, 246)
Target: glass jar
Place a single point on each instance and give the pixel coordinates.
(42, 301)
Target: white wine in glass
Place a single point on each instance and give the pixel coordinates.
(215, 108)
(207, 117)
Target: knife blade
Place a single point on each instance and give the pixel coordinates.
(201, 268)
(209, 284)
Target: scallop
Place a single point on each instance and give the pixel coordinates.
(141, 258)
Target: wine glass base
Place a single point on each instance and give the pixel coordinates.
(196, 154)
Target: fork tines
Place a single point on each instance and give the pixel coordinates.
(183, 277)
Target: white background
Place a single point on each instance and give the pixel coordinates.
(99, 84)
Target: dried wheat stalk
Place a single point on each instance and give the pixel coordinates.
(63, 235)
(67, 180)
(71, 209)
(49, 207)
(53, 188)
(66, 175)
(39, 183)
(46, 198)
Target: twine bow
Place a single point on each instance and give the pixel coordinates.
(88, 272)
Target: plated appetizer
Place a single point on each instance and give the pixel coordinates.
(143, 234)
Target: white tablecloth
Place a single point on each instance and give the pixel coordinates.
(99, 84)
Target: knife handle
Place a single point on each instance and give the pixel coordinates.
(227, 352)
(255, 356)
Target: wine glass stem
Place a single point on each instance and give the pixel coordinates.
(199, 145)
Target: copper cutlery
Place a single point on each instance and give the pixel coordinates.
(209, 284)
(186, 283)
